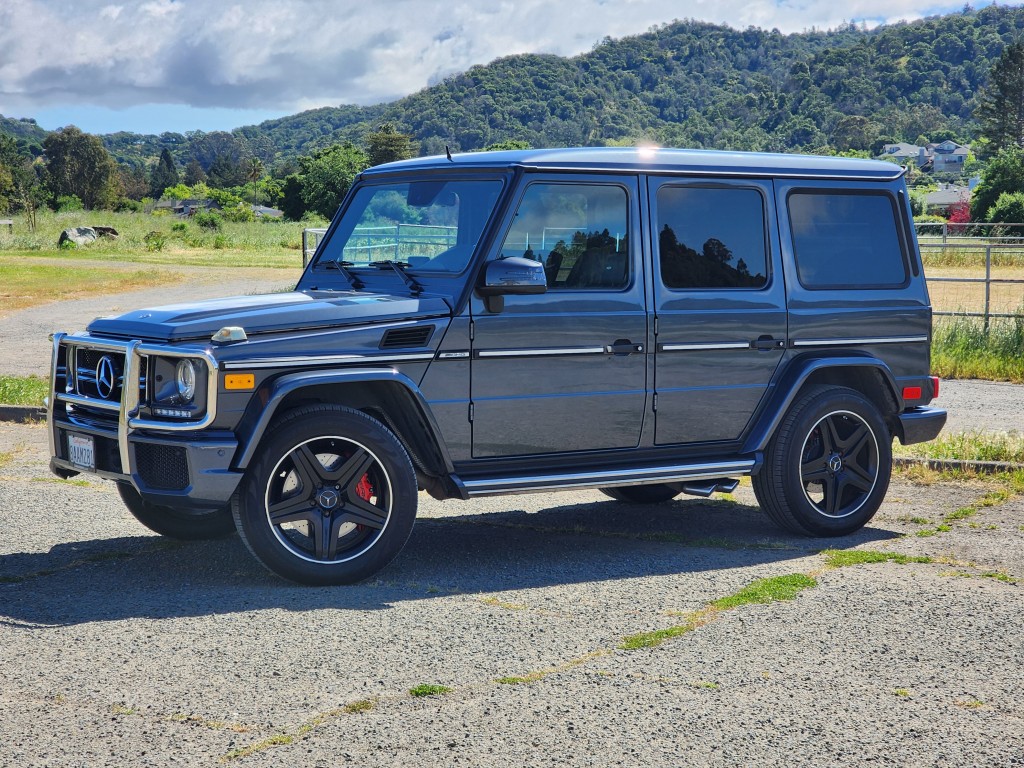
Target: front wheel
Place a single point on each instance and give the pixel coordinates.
(174, 522)
(828, 466)
(330, 499)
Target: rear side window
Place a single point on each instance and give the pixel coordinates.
(846, 240)
(711, 237)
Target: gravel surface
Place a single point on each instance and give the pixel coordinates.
(121, 648)
(25, 350)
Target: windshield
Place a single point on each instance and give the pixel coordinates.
(431, 225)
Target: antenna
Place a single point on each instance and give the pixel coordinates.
(448, 153)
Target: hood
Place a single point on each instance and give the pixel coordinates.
(266, 314)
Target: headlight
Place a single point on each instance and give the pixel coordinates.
(185, 380)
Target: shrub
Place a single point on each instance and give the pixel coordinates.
(68, 203)
(209, 221)
(241, 213)
(220, 242)
(154, 241)
(180, 227)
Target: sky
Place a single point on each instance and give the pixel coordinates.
(151, 66)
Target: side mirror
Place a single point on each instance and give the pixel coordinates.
(515, 276)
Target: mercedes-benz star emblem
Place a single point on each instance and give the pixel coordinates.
(327, 498)
(106, 377)
(835, 463)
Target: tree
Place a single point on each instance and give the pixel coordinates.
(165, 174)
(78, 164)
(20, 189)
(254, 171)
(327, 174)
(194, 173)
(134, 184)
(1001, 110)
(226, 172)
(1004, 173)
(1009, 208)
(292, 204)
(387, 145)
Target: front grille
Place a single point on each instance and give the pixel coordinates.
(98, 374)
(162, 467)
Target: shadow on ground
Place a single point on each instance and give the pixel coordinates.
(150, 577)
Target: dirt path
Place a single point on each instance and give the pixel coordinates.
(25, 350)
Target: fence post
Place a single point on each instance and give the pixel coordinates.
(945, 228)
(988, 283)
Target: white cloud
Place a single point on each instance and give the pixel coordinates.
(292, 54)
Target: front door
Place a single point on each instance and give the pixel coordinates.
(720, 301)
(565, 370)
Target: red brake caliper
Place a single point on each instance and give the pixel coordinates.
(364, 491)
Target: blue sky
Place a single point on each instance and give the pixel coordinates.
(175, 65)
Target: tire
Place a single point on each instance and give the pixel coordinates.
(657, 493)
(329, 499)
(827, 468)
(175, 523)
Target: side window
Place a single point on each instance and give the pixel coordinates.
(846, 240)
(577, 231)
(711, 237)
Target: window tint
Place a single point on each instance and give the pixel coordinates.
(711, 237)
(844, 240)
(577, 231)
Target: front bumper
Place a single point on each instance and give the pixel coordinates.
(919, 425)
(179, 464)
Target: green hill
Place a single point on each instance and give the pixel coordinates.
(686, 83)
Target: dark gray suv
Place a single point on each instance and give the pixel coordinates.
(646, 322)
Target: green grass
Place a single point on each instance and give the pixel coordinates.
(969, 446)
(27, 390)
(429, 689)
(655, 637)
(841, 558)
(962, 348)
(767, 591)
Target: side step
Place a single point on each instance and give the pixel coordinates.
(701, 479)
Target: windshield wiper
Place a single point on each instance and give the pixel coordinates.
(353, 280)
(399, 267)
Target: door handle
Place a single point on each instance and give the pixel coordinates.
(767, 343)
(623, 347)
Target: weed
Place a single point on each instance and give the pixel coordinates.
(706, 684)
(120, 709)
(277, 740)
(23, 390)
(925, 532)
(901, 691)
(501, 604)
(840, 558)
(970, 446)
(767, 591)
(965, 348)
(356, 707)
(961, 514)
(914, 519)
(970, 703)
(429, 689)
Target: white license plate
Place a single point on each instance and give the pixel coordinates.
(81, 451)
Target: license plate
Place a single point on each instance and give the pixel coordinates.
(81, 451)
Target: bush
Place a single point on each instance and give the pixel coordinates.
(240, 213)
(124, 204)
(180, 227)
(209, 221)
(69, 203)
(155, 241)
(220, 242)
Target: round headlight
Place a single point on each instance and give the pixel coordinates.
(185, 378)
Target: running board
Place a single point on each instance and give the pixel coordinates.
(687, 475)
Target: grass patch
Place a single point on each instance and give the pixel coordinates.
(495, 602)
(276, 740)
(971, 703)
(901, 691)
(657, 636)
(356, 707)
(970, 446)
(706, 684)
(962, 348)
(23, 390)
(767, 591)
(960, 514)
(24, 284)
(841, 558)
(429, 689)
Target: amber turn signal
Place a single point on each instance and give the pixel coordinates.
(239, 381)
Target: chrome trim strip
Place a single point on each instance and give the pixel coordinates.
(712, 171)
(544, 351)
(608, 479)
(129, 403)
(88, 402)
(279, 362)
(704, 345)
(855, 342)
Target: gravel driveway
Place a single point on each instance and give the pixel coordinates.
(120, 648)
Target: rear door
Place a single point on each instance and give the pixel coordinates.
(720, 302)
(565, 370)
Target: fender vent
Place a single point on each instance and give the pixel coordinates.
(400, 338)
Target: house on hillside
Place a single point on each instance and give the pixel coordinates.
(188, 207)
(263, 210)
(939, 201)
(944, 157)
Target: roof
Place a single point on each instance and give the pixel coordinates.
(948, 196)
(643, 160)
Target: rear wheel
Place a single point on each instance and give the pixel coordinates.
(642, 494)
(330, 499)
(827, 469)
(177, 523)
